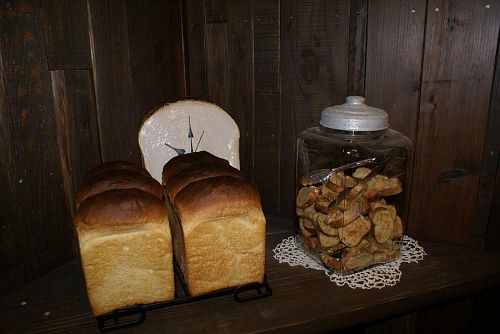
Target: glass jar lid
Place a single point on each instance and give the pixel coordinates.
(354, 115)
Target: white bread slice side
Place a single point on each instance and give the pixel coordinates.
(169, 124)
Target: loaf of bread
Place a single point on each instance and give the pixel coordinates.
(217, 224)
(125, 241)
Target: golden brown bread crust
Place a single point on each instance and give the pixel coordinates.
(119, 207)
(125, 248)
(117, 179)
(180, 162)
(113, 165)
(193, 173)
(216, 197)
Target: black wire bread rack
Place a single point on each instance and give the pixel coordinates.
(137, 314)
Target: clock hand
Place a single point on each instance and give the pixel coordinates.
(199, 141)
(179, 151)
(190, 134)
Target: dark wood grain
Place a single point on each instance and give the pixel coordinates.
(12, 240)
(394, 60)
(493, 232)
(136, 67)
(314, 65)
(267, 150)
(393, 64)
(404, 324)
(266, 26)
(216, 11)
(154, 60)
(471, 314)
(460, 49)
(486, 229)
(266, 81)
(113, 80)
(32, 156)
(303, 300)
(14, 276)
(195, 49)
(77, 128)
(240, 76)
(66, 34)
(178, 55)
(358, 24)
(216, 51)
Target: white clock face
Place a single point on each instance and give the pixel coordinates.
(184, 127)
(191, 138)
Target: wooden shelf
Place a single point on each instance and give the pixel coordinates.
(303, 299)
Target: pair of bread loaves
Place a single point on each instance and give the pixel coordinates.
(215, 225)
(124, 238)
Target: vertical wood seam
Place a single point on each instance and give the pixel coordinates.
(366, 46)
(94, 82)
(185, 48)
(5, 126)
(61, 107)
(280, 111)
(205, 48)
(227, 88)
(480, 227)
(44, 62)
(417, 119)
(252, 117)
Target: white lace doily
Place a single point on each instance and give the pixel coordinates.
(290, 251)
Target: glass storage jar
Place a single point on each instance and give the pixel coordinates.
(351, 218)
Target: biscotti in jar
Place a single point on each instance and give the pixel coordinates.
(352, 188)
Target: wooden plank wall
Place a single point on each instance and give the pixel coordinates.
(429, 64)
(76, 78)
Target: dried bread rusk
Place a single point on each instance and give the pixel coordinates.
(382, 224)
(359, 256)
(361, 172)
(323, 205)
(306, 227)
(339, 218)
(375, 185)
(397, 231)
(352, 234)
(392, 187)
(332, 263)
(327, 192)
(322, 226)
(307, 196)
(327, 241)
